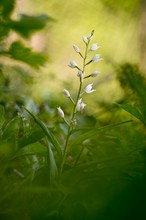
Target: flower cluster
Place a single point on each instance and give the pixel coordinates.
(79, 105)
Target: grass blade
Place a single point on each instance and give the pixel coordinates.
(53, 171)
(48, 133)
(92, 133)
(133, 111)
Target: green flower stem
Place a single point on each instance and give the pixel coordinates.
(78, 68)
(71, 99)
(81, 55)
(87, 76)
(89, 62)
(71, 127)
(66, 122)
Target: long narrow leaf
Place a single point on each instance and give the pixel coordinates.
(48, 133)
(133, 111)
(33, 137)
(92, 133)
(31, 149)
(53, 171)
(2, 118)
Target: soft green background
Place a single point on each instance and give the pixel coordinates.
(118, 30)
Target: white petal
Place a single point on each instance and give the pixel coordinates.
(80, 74)
(66, 92)
(93, 90)
(90, 37)
(94, 74)
(85, 39)
(76, 48)
(60, 112)
(80, 105)
(94, 47)
(72, 64)
(96, 58)
(89, 89)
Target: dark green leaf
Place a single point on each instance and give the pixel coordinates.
(92, 133)
(19, 52)
(29, 24)
(53, 171)
(23, 73)
(32, 137)
(133, 111)
(131, 78)
(2, 119)
(11, 129)
(4, 30)
(32, 149)
(47, 132)
(6, 7)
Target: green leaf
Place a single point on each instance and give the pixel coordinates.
(133, 80)
(32, 149)
(91, 133)
(29, 24)
(19, 52)
(23, 73)
(2, 118)
(131, 77)
(47, 132)
(6, 7)
(11, 129)
(53, 171)
(7, 150)
(4, 30)
(133, 111)
(32, 137)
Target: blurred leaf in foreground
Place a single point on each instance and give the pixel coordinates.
(29, 24)
(19, 52)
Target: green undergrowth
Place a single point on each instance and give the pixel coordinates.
(104, 172)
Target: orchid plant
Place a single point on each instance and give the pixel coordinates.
(78, 103)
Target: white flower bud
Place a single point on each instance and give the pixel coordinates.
(94, 47)
(90, 37)
(80, 105)
(73, 64)
(80, 74)
(66, 92)
(76, 48)
(94, 74)
(60, 112)
(85, 39)
(96, 58)
(89, 89)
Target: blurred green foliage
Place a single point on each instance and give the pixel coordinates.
(16, 49)
(25, 27)
(106, 181)
(105, 172)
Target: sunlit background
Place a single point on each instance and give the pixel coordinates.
(119, 30)
(88, 164)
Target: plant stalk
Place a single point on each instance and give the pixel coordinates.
(70, 128)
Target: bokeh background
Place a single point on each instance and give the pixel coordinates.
(119, 30)
(104, 175)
